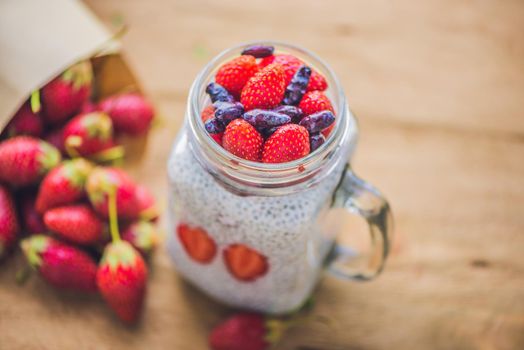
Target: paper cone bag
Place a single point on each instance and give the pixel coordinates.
(40, 39)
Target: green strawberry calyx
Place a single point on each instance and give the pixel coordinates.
(33, 247)
(76, 171)
(48, 158)
(145, 235)
(100, 183)
(98, 125)
(79, 74)
(119, 254)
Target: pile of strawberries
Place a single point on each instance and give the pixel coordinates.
(56, 194)
(268, 107)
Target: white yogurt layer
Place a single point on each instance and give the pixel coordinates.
(283, 228)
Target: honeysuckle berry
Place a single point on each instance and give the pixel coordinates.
(262, 119)
(214, 126)
(293, 111)
(258, 51)
(318, 121)
(316, 140)
(218, 93)
(228, 111)
(297, 87)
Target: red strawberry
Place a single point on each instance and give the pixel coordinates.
(243, 140)
(31, 219)
(63, 97)
(121, 279)
(76, 223)
(317, 82)
(245, 263)
(25, 122)
(60, 264)
(265, 89)
(246, 331)
(316, 101)
(234, 74)
(143, 236)
(9, 227)
(101, 181)
(131, 113)
(287, 143)
(197, 243)
(56, 138)
(146, 204)
(24, 159)
(291, 64)
(63, 185)
(88, 134)
(208, 113)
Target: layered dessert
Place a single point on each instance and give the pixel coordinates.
(261, 252)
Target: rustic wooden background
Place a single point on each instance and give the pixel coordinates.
(438, 87)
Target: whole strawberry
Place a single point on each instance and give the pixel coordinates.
(143, 235)
(121, 279)
(234, 74)
(31, 219)
(246, 331)
(131, 113)
(63, 185)
(101, 181)
(265, 89)
(88, 134)
(76, 223)
(9, 227)
(315, 101)
(25, 122)
(60, 264)
(287, 143)
(24, 160)
(64, 96)
(243, 140)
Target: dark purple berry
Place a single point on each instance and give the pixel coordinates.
(316, 140)
(262, 119)
(214, 126)
(297, 87)
(218, 93)
(228, 111)
(293, 111)
(269, 131)
(258, 51)
(318, 121)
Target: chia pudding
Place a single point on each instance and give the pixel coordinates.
(249, 234)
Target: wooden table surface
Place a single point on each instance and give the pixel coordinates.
(438, 87)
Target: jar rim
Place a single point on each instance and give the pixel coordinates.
(268, 174)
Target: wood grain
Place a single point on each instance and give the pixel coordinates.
(438, 87)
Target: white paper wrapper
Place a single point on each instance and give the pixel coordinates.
(39, 39)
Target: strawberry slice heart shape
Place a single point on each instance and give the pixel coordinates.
(197, 243)
(245, 263)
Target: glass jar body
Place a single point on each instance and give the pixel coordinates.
(287, 230)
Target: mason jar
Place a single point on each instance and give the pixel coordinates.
(257, 235)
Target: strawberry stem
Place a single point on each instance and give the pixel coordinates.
(113, 219)
(35, 101)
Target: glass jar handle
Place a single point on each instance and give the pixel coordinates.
(361, 198)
